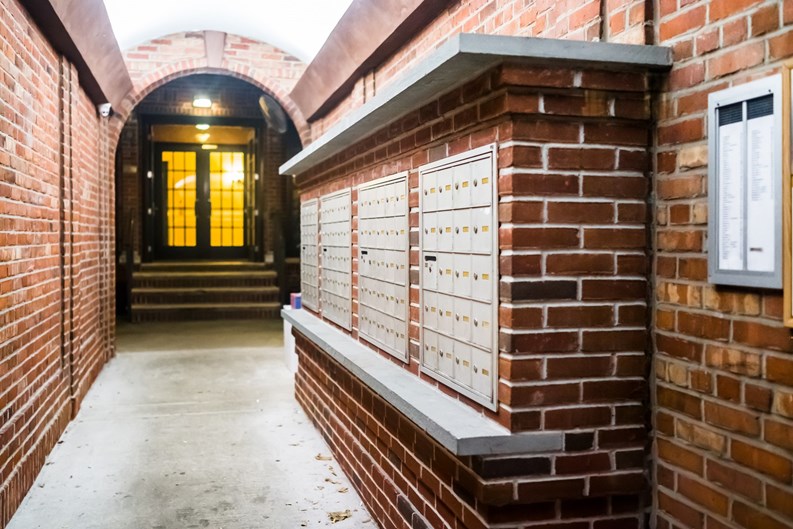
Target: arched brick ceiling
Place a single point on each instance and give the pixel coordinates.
(299, 27)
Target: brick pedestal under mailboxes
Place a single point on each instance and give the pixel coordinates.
(573, 168)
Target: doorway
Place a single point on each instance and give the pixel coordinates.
(203, 198)
(203, 194)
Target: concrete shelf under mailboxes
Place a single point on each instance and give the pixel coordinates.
(456, 426)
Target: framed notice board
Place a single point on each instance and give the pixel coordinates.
(745, 184)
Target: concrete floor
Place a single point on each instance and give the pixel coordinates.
(192, 425)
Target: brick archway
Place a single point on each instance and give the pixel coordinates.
(257, 63)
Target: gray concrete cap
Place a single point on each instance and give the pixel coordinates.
(459, 60)
(457, 427)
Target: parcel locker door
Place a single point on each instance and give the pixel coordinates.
(446, 356)
(462, 363)
(429, 191)
(482, 320)
(430, 308)
(462, 275)
(430, 232)
(445, 189)
(461, 241)
(401, 193)
(445, 314)
(445, 272)
(445, 231)
(482, 230)
(462, 186)
(482, 277)
(481, 372)
(403, 233)
(482, 181)
(463, 322)
(430, 350)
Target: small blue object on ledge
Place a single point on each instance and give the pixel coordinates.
(296, 300)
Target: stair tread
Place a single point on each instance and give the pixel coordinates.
(204, 306)
(201, 264)
(215, 273)
(184, 290)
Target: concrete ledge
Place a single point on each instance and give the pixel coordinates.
(457, 427)
(459, 60)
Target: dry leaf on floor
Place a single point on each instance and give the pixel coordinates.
(343, 490)
(333, 481)
(320, 457)
(339, 516)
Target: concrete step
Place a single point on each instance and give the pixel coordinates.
(180, 295)
(202, 266)
(204, 311)
(204, 279)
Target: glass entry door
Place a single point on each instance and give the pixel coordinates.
(202, 198)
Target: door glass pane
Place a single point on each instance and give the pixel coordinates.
(180, 179)
(226, 185)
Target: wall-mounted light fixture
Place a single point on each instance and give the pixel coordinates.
(209, 146)
(202, 102)
(202, 126)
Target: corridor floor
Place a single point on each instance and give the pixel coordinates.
(192, 425)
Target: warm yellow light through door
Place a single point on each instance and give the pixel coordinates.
(226, 192)
(180, 170)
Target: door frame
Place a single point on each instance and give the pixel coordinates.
(150, 209)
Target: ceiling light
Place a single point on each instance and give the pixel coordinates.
(209, 146)
(202, 126)
(202, 102)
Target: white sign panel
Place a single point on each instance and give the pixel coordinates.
(745, 184)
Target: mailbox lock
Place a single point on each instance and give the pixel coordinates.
(457, 360)
(476, 322)
(426, 230)
(440, 190)
(457, 185)
(476, 275)
(457, 316)
(476, 229)
(426, 308)
(476, 369)
(457, 273)
(476, 182)
(457, 229)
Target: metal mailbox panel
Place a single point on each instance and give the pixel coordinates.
(383, 244)
(459, 272)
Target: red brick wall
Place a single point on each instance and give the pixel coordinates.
(56, 210)
(723, 369)
(573, 181)
(604, 20)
